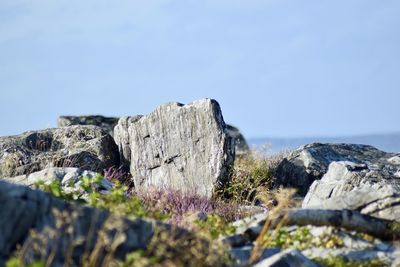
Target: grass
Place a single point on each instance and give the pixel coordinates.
(302, 239)
(251, 179)
(342, 262)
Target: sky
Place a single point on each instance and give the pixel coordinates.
(277, 67)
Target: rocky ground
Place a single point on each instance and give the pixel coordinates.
(179, 187)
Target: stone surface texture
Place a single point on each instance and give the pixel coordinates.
(370, 189)
(311, 162)
(183, 147)
(286, 258)
(85, 147)
(106, 123)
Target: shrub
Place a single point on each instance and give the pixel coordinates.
(178, 205)
(251, 177)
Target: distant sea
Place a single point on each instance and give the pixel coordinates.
(387, 142)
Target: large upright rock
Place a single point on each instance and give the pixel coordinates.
(310, 162)
(106, 123)
(85, 147)
(184, 147)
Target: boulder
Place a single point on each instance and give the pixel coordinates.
(67, 234)
(241, 146)
(85, 147)
(183, 147)
(310, 162)
(106, 123)
(366, 187)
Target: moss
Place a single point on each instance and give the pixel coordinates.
(342, 262)
(301, 239)
(16, 262)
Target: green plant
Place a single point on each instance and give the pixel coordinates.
(55, 188)
(215, 226)
(342, 262)
(301, 239)
(16, 262)
(138, 259)
(115, 200)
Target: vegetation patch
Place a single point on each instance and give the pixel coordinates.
(116, 200)
(301, 239)
(342, 262)
(251, 179)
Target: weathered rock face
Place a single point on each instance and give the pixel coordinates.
(122, 138)
(311, 162)
(66, 234)
(368, 188)
(241, 146)
(184, 147)
(86, 147)
(106, 123)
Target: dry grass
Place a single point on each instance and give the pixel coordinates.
(251, 178)
(283, 199)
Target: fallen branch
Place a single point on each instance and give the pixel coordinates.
(347, 219)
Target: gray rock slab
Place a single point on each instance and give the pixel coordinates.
(348, 185)
(183, 147)
(242, 254)
(85, 147)
(287, 258)
(106, 123)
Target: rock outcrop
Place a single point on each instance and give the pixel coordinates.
(64, 233)
(85, 147)
(311, 162)
(241, 146)
(106, 123)
(183, 147)
(366, 187)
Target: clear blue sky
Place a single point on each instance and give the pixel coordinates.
(278, 68)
